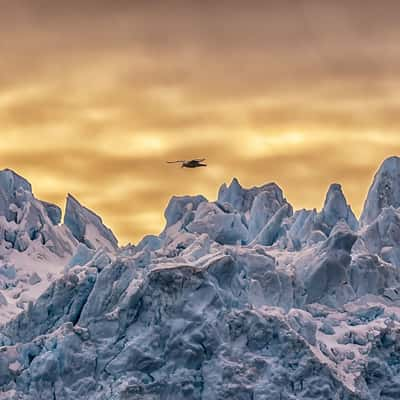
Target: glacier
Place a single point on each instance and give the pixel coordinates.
(239, 298)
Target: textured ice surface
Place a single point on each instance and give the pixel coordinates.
(87, 227)
(336, 208)
(385, 190)
(34, 245)
(236, 299)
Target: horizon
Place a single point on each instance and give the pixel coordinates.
(357, 212)
(96, 96)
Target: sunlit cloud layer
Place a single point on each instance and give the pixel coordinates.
(97, 95)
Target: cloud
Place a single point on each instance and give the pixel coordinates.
(303, 93)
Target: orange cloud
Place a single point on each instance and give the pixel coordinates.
(302, 94)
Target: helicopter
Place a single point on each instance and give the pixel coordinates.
(195, 163)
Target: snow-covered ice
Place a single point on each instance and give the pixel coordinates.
(35, 246)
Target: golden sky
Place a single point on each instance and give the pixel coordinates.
(96, 95)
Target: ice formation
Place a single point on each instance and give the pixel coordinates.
(239, 298)
(35, 246)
